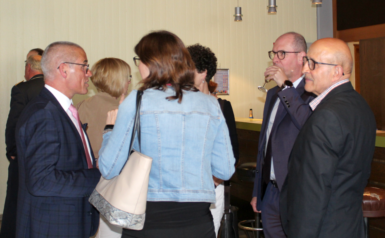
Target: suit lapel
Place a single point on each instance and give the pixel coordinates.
(84, 126)
(79, 143)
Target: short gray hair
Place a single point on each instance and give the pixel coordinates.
(299, 41)
(35, 62)
(50, 56)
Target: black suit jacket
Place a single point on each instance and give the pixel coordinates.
(22, 93)
(329, 168)
(228, 113)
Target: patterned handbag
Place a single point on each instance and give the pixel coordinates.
(122, 199)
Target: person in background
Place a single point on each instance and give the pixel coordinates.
(331, 159)
(111, 77)
(286, 110)
(206, 66)
(57, 168)
(35, 51)
(21, 94)
(182, 130)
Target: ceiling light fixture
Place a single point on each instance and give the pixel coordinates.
(317, 2)
(238, 13)
(272, 7)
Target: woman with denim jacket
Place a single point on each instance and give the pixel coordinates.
(184, 132)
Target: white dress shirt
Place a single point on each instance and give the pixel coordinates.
(270, 126)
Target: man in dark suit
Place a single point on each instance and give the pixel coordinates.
(286, 110)
(56, 164)
(22, 93)
(331, 159)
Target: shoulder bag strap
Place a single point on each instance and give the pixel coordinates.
(136, 126)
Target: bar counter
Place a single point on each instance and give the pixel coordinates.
(248, 135)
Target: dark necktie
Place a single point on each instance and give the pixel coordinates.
(266, 167)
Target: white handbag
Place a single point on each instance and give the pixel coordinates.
(122, 200)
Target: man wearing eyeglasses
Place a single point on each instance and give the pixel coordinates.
(331, 159)
(21, 94)
(286, 110)
(56, 164)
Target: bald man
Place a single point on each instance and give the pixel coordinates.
(56, 164)
(331, 159)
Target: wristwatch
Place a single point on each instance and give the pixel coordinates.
(287, 84)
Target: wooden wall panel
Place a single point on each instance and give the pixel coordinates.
(359, 33)
(372, 77)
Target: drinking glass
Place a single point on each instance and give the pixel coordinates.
(262, 88)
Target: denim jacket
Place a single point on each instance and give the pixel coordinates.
(188, 142)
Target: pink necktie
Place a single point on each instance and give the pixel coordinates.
(80, 130)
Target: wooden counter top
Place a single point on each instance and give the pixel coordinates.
(256, 124)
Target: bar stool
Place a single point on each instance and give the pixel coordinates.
(252, 228)
(373, 205)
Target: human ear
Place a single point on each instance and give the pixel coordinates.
(204, 74)
(62, 70)
(338, 72)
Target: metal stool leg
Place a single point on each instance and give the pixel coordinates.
(257, 224)
(366, 227)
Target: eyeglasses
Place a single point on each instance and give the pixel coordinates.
(280, 54)
(83, 65)
(311, 63)
(136, 60)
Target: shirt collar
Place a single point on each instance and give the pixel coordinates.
(64, 101)
(316, 101)
(298, 81)
(36, 76)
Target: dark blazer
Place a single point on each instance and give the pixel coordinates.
(55, 183)
(228, 113)
(292, 113)
(22, 93)
(329, 168)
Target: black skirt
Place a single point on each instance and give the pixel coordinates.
(175, 219)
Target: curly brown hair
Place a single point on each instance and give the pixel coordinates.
(168, 62)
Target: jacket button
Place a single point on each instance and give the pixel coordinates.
(284, 97)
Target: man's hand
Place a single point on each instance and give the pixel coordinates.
(253, 203)
(275, 73)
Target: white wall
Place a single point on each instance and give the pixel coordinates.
(112, 28)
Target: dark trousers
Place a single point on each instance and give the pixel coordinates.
(8, 225)
(271, 219)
